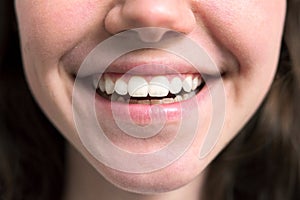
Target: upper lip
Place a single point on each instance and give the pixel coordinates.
(150, 62)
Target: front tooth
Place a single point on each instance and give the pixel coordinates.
(121, 87)
(159, 86)
(137, 87)
(195, 83)
(109, 85)
(187, 84)
(176, 85)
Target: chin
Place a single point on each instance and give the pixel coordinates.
(186, 170)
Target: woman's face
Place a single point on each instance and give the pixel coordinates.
(242, 38)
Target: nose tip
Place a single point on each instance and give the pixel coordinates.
(155, 13)
(170, 14)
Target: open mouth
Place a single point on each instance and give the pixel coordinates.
(148, 89)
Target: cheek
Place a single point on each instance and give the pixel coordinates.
(51, 28)
(251, 30)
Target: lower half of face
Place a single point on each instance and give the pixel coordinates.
(149, 113)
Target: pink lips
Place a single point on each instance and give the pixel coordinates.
(161, 67)
(140, 114)
(159, 63)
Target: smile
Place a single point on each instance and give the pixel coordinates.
(150, 90)
(134, 86)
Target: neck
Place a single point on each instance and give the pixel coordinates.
(84, 182)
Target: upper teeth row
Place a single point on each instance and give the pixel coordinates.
(138, 86)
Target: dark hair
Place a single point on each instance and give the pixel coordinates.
(31, 149)
(262, 162)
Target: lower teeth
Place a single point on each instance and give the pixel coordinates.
(150, 100)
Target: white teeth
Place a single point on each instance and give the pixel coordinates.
(178, 98)
(121, 87)
(195, 83)
(102, 85)
(176, 85)
(200, 80)
(185, 96)
(137, 87)
(168, 100)
(187, 84)
(159, 86)
(109, 85)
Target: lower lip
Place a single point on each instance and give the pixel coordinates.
(141, 113)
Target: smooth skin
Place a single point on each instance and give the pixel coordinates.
(242, 37)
